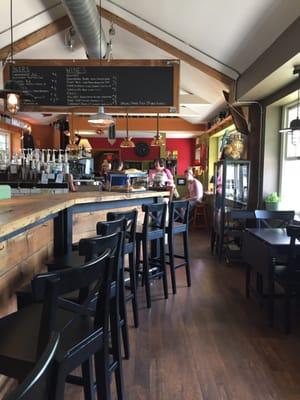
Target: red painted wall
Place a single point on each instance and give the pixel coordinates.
(186, 152)
(185, 148)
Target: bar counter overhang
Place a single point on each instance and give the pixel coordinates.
(32, 228)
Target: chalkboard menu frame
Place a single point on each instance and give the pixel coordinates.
(62, 67)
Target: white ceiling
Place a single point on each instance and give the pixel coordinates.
(234, 32)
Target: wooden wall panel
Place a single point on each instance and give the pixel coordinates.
(84, 224)
(17, 249)
(22, 257)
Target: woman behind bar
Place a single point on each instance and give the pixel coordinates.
(160, 176)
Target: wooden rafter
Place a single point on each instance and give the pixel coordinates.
(35, 37)
(166, 47)
(64, 22)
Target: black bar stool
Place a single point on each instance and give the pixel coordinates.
(130, 250)
(107, 228)
(83, 335)
(84, 253)
(152, 230)
(178, 224)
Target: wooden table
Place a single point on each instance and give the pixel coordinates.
(262, 249)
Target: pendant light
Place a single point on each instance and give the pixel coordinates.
(127, 142)
(158, 139)
(12, 92)
(294, 128)
(100, 120)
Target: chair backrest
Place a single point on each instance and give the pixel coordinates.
(92, 247)
(40, 383)
(131, 221)
(273, 219)
(179, 212)
(93, 278)
(154, 217)
(241, 217)
(110, 227)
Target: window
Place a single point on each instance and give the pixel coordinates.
(290, 164)
(4, 146)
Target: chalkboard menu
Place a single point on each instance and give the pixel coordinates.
(85, 85)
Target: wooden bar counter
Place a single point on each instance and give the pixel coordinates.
(32, 228)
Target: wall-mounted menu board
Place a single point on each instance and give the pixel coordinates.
(85, 83)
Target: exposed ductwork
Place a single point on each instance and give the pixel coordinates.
(86, 21)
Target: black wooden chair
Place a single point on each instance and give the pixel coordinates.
(153, 262)
(85, 252)
(273, 219)
(268, 219)
(130, 250)
(40, 383)
(178, 224)
(287, 276)
(236, 222)
(83, 335)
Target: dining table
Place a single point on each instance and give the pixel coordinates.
(262, 250)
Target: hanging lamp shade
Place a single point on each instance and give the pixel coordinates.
(12, 92)
(127, 141)
(158, 139)
(101, 120)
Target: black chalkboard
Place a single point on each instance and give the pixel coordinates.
(125, 86)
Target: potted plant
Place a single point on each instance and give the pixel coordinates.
(271, 201)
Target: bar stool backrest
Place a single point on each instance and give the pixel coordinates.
(92, 247)
(271, 219)
(40, 383)
(131, 221)
(155, 217)
(179, 212)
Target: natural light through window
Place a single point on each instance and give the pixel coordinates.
(290, 167)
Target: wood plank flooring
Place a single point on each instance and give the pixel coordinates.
(208, 342)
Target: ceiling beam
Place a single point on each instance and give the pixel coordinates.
(64, 22)
(35, 37)
(141, 33)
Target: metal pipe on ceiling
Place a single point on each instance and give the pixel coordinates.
(86, 21)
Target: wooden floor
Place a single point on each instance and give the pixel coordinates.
(209, 342)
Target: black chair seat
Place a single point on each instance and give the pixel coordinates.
(281, 271)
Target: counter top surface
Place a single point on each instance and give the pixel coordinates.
(19, 212)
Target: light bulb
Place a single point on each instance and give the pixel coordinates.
(12, 102)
